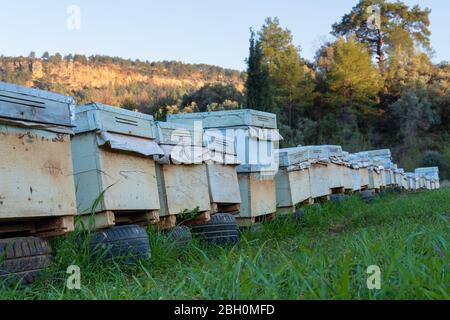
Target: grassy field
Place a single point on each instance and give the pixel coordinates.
(323, 256)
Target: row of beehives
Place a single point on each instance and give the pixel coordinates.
(324, 170)
(125, 168)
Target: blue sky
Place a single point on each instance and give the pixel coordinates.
(195, 31)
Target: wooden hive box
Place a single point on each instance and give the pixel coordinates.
(326, 172)
(433, 172)
(182, 175)
(252, 134)
(318, 180)
(292, 179)
(115, 174)
(222, 175)
(355, 172)
(375, 178)
(336, 168)
(253, 138)
(364, 162)
(411, 180)
(383, 157)
(37, 194)
(258, 194)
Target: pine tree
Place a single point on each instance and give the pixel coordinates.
(257, 85)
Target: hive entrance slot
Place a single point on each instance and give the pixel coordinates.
(126, 121)
(22, 102)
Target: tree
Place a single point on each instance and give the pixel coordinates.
(57, 58)
(290, 78)
(352, 81)
(212, 93)
(414, 23)
(414, 113)
(45, 55)
(257, 86)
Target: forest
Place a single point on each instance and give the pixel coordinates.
(366, 88)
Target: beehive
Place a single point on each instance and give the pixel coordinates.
(376, 178)
(364, 163)
(222, 176)
(323, 174)
(253, 138)
(36, 186)
(383, 158)
(182, 174)
(113, 152)
(433, 172)
(292, 179)
(354, 172)
(252, 134)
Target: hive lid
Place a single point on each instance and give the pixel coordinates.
(34, 105)
(100, 117)
(430, 171)
(127, 143)
(292, 156)
(178, 134)
(381, 153)
(230, 118)
(324, 152)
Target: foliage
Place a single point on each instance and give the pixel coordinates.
(399, 24)
(324, 255)
(213, 94)
(258, 86)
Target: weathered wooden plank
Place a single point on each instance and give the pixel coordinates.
(131, 181)
(36, 174)
(292, 187)
(201, 218)
(183, 188)
(335, 175)
(258, 194)
(364, 177)
(318, 178)
(127, 180)
(99, 220)
(223, 184)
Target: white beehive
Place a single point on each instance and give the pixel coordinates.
(252, 133)
(253, 138)
(292, 179)
(432, 172)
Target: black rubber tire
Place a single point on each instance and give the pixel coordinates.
(298, 215)
(398, 189)
(221, 229)
(180, 235)
(129, 242)
(368, 196)
(24, 259)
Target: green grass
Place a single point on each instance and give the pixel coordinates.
(324, 256)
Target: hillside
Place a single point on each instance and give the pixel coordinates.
(115, 81)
